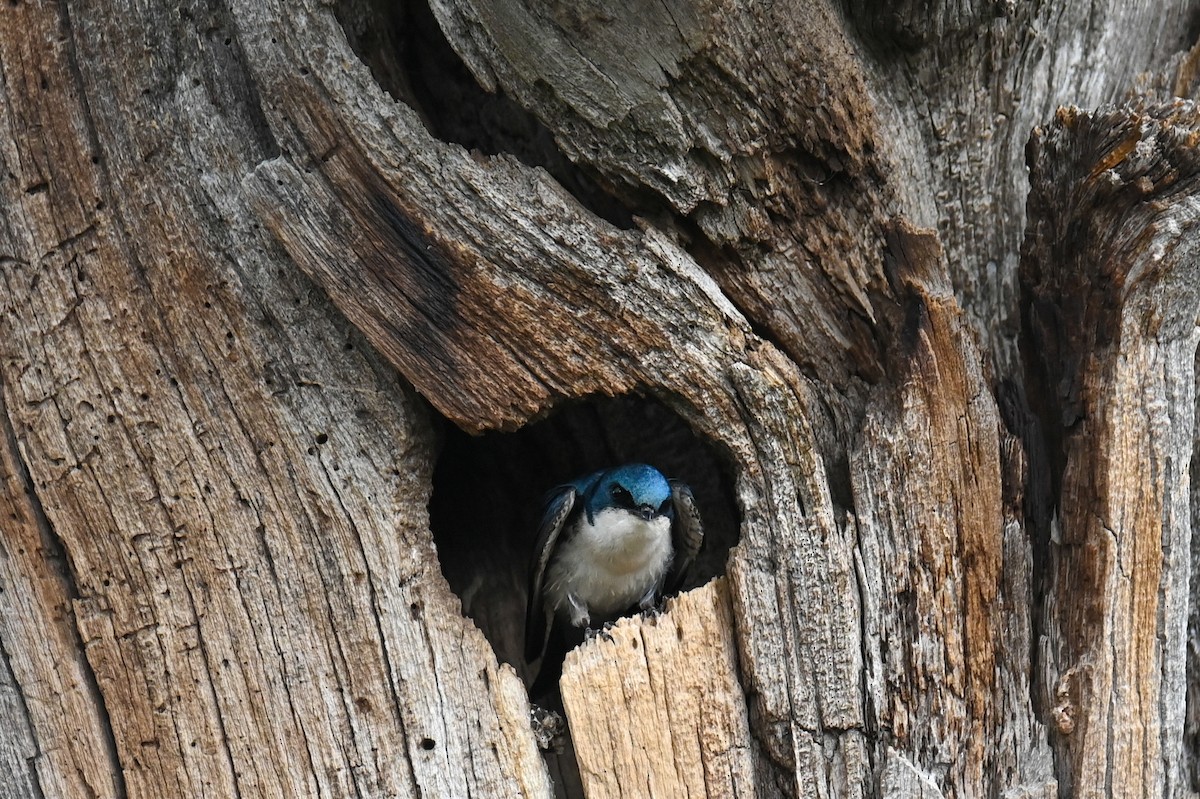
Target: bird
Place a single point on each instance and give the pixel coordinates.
(607, 542)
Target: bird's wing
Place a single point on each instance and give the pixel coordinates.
(559, 505)
(687, 532)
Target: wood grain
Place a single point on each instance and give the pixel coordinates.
(943, 556)
(1110, 274)
(677, 675)
(237, 481)
(244, 290)
(58, 742)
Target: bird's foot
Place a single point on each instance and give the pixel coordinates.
(653, 608)
(579, 612)
(549, 728)
(591, 633)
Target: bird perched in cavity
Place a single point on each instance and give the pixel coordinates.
(607, 542)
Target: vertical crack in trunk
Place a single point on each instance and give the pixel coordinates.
(59, 562)
(1111, 300)
(9, 678)
(1191, 718)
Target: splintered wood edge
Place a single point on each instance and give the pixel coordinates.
(659, 706)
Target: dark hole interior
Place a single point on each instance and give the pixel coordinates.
(487, 499)
(488, 492)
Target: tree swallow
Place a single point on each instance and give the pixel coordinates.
(607, 542)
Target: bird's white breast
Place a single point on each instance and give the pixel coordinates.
(611, 564)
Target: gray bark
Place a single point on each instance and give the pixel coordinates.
(255, 286)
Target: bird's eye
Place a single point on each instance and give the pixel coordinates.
(622, 497)
(664, 507)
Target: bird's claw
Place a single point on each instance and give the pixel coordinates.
(654, 608)
(591, 633)
(549, 727)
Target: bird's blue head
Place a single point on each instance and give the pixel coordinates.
(640, 489)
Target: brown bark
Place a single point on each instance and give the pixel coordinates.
(1112, 279)
(254, 286)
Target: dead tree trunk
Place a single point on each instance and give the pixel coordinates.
(266, 265)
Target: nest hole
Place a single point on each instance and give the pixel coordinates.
(488, 493)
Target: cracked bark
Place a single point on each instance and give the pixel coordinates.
(60, 741)
(246, 293)
(1111, 265)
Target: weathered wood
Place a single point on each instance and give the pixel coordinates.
(1111, 275)
(244, 287)
(677, 675)
(238, 484)
(57, 740)
(959, 85)
(1191, 719)
(612, 300)
(771, 152)
(789, 136)
(944, 558)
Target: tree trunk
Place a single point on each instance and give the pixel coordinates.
(305, 305)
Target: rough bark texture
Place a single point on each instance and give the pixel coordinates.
(677, 676)
(238, 484)
(1114, 288)
(254, 287)
(948, 675)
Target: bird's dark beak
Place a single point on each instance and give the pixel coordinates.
(646, 512)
